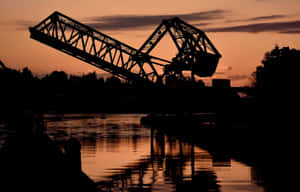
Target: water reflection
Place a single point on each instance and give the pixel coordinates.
(121, 155)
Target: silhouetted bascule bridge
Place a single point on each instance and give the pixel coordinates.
(196, 53)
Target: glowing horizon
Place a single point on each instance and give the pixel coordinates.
(241, 32)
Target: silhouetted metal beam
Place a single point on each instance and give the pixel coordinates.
(96, 48)
(195, 51)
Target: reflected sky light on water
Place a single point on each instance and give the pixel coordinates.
(120, 154)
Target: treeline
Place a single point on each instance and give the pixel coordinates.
(60, 78)
(55, 92)
(275, 91)
(279, 71)
(63, 93)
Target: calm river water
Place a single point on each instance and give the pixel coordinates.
(119, 154)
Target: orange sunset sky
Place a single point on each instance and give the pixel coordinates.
(242, 30)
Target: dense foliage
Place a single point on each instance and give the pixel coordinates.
(279, 70)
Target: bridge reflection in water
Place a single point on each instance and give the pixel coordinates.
(170, 166)
(121, 155)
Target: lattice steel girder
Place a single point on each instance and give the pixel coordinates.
(183, 34)
(194, 47)
(195, 51)
(96, 48)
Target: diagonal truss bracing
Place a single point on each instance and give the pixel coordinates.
(96, 48)
(195, 51)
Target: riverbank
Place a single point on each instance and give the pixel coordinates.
(31, 161)
(254, 142)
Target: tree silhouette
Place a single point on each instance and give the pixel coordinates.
(27, 74)
(113, 82)
(278, 72)
(91, 77)
(59, 76)
(275, 84)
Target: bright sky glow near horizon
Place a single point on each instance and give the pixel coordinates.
(242, 30)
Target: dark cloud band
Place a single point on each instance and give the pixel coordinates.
(261, 18)
(280, 27)
(125, 22)
(201, 19)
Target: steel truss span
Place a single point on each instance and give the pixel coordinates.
(196, 53)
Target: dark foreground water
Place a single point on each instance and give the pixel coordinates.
(119, 154)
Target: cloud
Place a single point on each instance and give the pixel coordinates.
(202, 19)
(202, 24)
(17, 24)
(238, 77)
(260, 18)
(291, 31)
(279, 27)
(270, 17)
(24, 24)
(129, 22)
(125, 22)
(223, 70)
